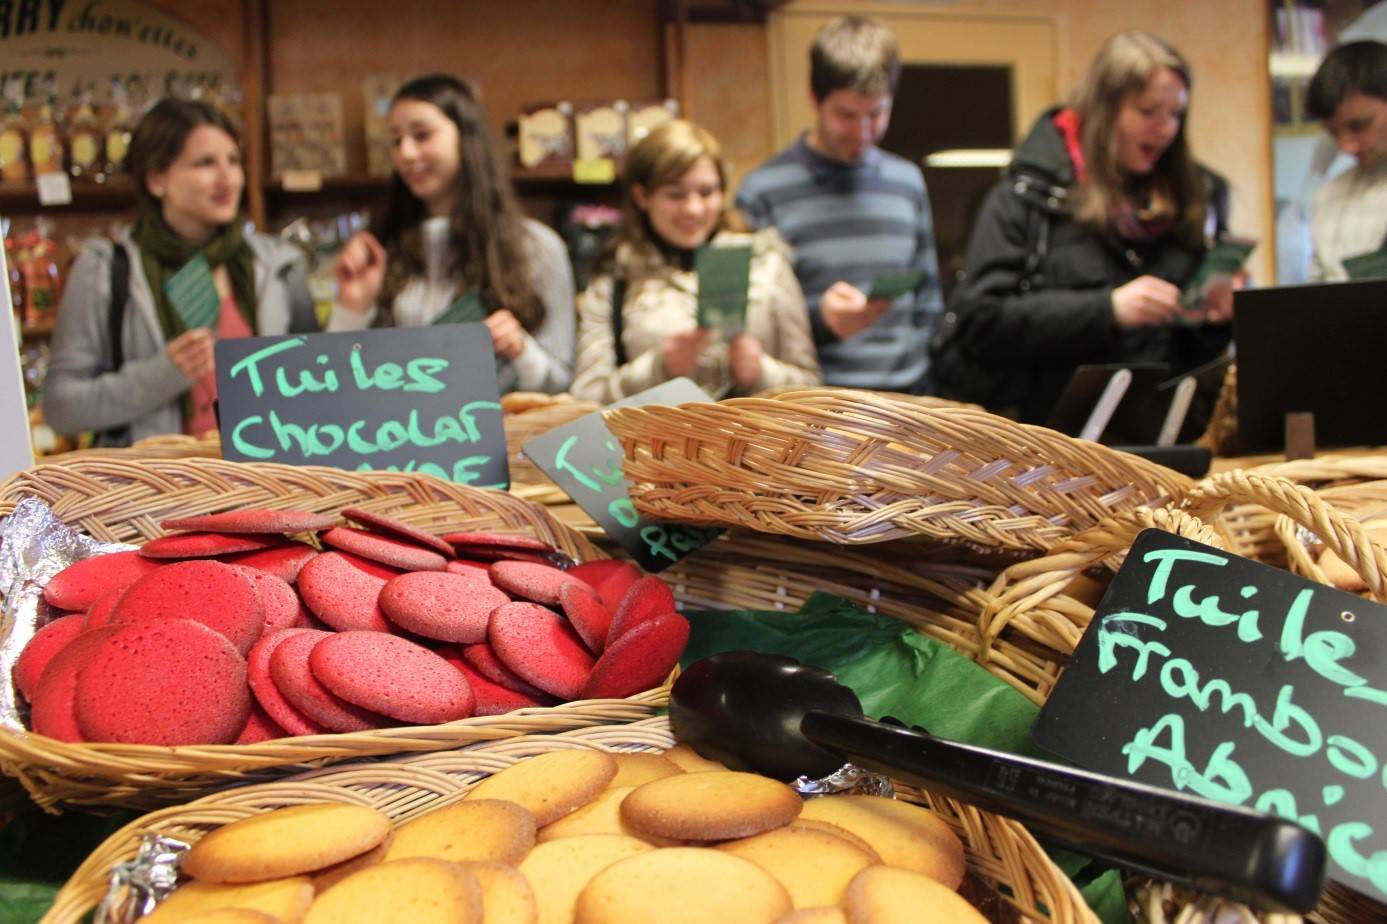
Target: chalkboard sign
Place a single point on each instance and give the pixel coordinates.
(1213, 674)
(584, 459)
(414, 399)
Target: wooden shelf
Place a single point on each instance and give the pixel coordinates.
(40, 332)
(355, 188)
(116, 194)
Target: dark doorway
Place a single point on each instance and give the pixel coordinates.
(942, 107)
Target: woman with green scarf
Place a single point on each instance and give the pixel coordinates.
(194, 275)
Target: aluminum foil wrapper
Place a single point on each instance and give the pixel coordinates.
(140, 884)
(34, 546)
(846, 780)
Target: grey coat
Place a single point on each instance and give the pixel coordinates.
(82, 392)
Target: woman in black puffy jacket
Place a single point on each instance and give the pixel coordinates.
(1081, 252)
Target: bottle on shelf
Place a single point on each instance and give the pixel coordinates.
(42, 280)
(14, 136)
(14, 258)
(85, 143)
(46, 149)
(117, 130)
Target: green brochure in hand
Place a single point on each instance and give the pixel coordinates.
(1367, 265)
(724, 275)
(1223, 261)
(466, 310)
(892, 286)
(194, 294)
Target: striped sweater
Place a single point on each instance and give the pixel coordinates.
(853, 222)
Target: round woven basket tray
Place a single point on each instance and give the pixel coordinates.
(123, 500)
(998, 850)
(851, 467)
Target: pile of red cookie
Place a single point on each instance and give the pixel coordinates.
(227, 631)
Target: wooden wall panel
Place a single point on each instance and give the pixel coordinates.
(726, 90)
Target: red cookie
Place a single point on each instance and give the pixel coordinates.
(498, 540)
(541, 648)
(392, 676)
(42, 648)
(640, 659)
(289, 668)
(540, 583)
(206, 545)
(399, 528)
(344, 591)
(99, 613)
(218, 596)
(490, 554)
(284, 562)
(648, 597)
(260, 727)
(485, 662)
(383, 549)
(52, 711)
(169, 683)
(281, 605)
(475, 570)
(588, 614)
(82, 583)
(439, 605)
(611, 578)
(284, 713)
(255, 521)
(491, 698)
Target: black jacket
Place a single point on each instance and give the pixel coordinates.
(1018, 330)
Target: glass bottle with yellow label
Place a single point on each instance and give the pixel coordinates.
(14, 137)
(117, 129)
(46, 137)
(85, 142)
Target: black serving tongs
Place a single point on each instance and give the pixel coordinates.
(772, 715)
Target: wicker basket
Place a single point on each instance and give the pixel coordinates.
(1360, 502)
(863, 468)
(124, 500)
(1001, 851)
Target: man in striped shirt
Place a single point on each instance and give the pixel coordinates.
(853, 213)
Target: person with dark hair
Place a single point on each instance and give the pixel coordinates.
(158, 378)
(1348, 96)
(1081, 252)
(853, 212)
(452, 227)
(638, 318)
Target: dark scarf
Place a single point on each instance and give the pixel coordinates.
(163, 253)
(1135, 223)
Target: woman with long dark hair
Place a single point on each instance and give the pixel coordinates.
(158, 377)
(1081, 252)
(452, 227)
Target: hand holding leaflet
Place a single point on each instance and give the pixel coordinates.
(891, 286)
(194, 294)
(724, 275)
(1223, 262)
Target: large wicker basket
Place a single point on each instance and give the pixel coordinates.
(120, 500)
(1001, 851)
(864, 467)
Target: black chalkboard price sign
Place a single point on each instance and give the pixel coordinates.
(1216, 675)
(584, 459)
(414, 399)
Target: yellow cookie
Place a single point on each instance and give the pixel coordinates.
(414, 891)
(815, 916)
(550, 785)
(689, 760)
(682, 885)
(837, 831)
(472, 830)
(1340, 574)
(506, 894)
(710, 806)
(601, 816)
(285, 900)
(634, 769)
(814, 867)
(558, 871)
(903, 834)
(231, 916)
(325, 879)
(888, 895)
(285, 842)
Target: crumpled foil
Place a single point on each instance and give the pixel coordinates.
(848, 779)
(34, 546)
(139, 884)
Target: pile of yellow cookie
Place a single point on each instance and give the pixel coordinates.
(587, 837)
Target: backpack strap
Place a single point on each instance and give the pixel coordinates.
(120, 295)
(618, 316)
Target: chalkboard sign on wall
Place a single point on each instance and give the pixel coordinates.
(1213, 674)
(420, 399)
(584, 459)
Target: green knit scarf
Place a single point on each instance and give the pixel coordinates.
(163, 253)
